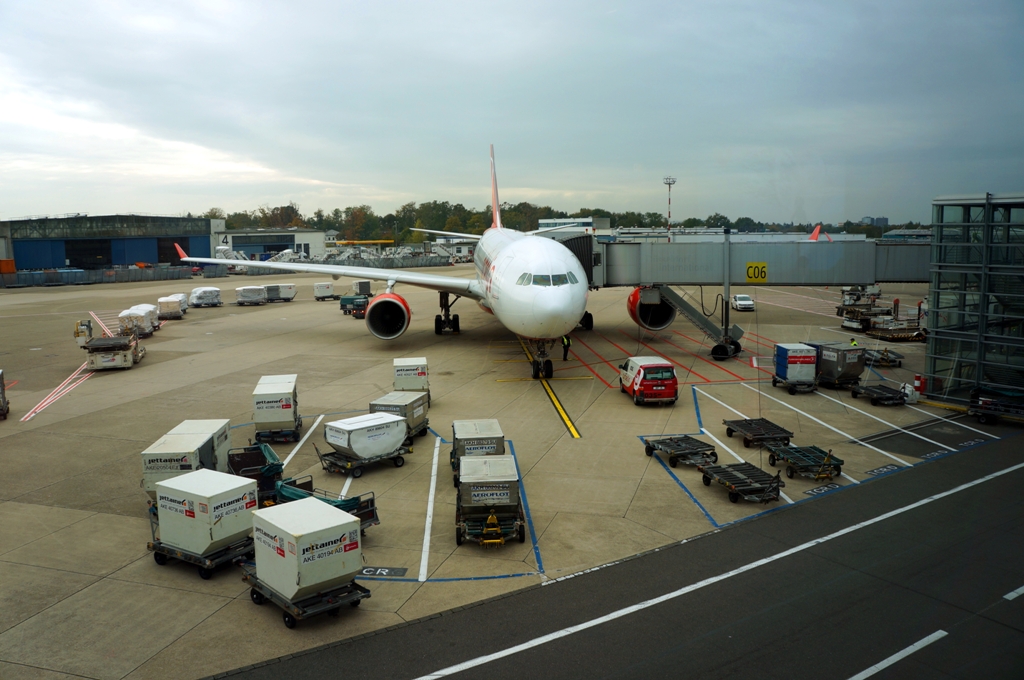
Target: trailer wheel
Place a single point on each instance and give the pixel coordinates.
(160, 558)
(837, 470)
(746, 442)
(356, 603)
(336, 612)
(874, 402)
(729, 432)
(790, 472)
(455, 481)
(649, 450)
(205, 573)
(289, 620)
(399, 461)
(673, 461)
(256, 597)
(706, 480)
(423, 432)
(714, 456)
(458, 536)
(771, 459)
(521, 534)
(792, 390)
(357, 472)
(734, 497)
(853, 394)
(775, 383)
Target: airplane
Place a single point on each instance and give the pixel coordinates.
(534, 286)
(818, 232)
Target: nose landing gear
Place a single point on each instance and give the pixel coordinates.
(542, 366)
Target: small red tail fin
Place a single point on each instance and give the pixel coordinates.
(181, 253)
(495, 209)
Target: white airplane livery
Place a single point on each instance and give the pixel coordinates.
(533, 285)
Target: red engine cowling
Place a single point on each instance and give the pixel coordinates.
(388, 316)
(652, 317)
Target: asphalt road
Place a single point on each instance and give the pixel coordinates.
(827, 609)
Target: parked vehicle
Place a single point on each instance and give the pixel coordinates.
(742, 303)
(649, 379)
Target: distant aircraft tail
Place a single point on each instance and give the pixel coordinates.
(817, 232)
(495, 210)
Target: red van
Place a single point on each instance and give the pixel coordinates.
(649, 379)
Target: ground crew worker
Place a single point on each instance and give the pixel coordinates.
(566, 344)
(853, 342)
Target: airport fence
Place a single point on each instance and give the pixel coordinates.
(82, 277)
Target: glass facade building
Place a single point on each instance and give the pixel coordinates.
(976, 297)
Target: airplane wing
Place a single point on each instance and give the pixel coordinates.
(450, 284)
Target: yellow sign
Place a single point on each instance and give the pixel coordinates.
(757, 272)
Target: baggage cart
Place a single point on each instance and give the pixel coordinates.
(335, 461)
(757, 431)
(488, 506)
(5, 404)
(991, 409)
(684, 448)
(205, 564)
(259, 463)
(880, 395)
(909, 334)
(806, 461)
(744, 480)
(363, 506)
(883, 358)
(329, 601)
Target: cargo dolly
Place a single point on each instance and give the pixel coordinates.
(492, 528)
(327, 602)
(806, 461)
(363, 506)
(744, 480)
(260, 464)
(794, 386)
(884, 358)
(683, 448)
(333, 461)
(757, 431)
(990, 410)
(205, 564)
(880, 395)
(279, 435)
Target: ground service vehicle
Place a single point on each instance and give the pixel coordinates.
(648, 379)
(742, 303)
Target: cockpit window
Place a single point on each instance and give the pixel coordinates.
(524, 279)
(559, 280)
(572, 277)
(541, 280)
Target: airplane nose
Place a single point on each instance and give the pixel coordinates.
(551, 312)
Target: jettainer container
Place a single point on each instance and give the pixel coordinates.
(324, 291)
(369, 436)
(204, 511)
(410, 405)
(275, 403)
(305, 547)
(281, 292)
(219, 429)
(173, 455)
(795, 362)
(411, 375)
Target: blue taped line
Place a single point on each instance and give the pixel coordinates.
(443, 440)
(683, 487)
(696, 407)
(440, 580)
(526, 507)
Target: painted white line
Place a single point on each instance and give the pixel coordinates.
(836, 430)
(846, 476)
(895, 427)
(1015, 594)
(303, 440)
(721, 445)
(425, 558)
(785, 497)
(626, 611)
(720, 402)
(954, 422)
(344, 489)
(920, 644)
(841, 331)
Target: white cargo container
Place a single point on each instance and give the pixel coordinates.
(250, 295)
(275, 404)
(205, 296)
(134, 319)
(304, 547)
(489, 481)
(324, 291)
(411, 375)
(151, 312)
(182, 300)
(361, 287)
(169, 308)
(173, 455)
(281, 292)
(369, 436)
(410, 405)
(219, 429)
(203, 511)
(481, 437)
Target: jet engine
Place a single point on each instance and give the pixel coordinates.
(655, 317)
(388, 316)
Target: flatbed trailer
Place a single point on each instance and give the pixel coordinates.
(363, 506)
(332, 461)
(912, 334)
(744, 480)
(205, 564)
(259, 463)
(857, 318)
(683, 448)
(794, 386)
(806, 461)
(292, 435)
(884, 358)
(489, 528)
(327, 602)
(990, 410)
(757, 431)
(880, 395)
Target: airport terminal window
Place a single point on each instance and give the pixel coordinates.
(524, 280)
(572, 277)
(559, 280)
(541, 280)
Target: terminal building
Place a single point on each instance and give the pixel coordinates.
(976, 297)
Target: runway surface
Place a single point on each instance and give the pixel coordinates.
(918, 574)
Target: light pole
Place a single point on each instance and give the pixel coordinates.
(669, 181)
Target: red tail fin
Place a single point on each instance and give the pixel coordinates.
(181, 253)
(817, 232)
(495, 210)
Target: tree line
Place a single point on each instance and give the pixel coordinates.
(362, 223)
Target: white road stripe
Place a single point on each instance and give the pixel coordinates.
(785, 497)
(954, 422)
(626, 611)
(895, 427)
(303, 440)
(836, 430)
(425, 558)
(720, 402)
(921, 644)
(1015, 594)
(721, 445)
(344, 489)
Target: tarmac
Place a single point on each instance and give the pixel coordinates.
(84, 598)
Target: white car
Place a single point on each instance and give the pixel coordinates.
(742, 303)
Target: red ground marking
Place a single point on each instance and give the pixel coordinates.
(707, 361)
(587, 366)
(688, 370)
(764, 338)
(598, 354)
(11, 384)
(752, 365)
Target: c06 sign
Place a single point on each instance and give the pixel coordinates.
(757, 272)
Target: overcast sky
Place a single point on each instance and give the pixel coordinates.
(780, 111)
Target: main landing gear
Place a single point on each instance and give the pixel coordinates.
(542, 366)
(446, 321)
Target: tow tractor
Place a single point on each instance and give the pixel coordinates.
(119, 351)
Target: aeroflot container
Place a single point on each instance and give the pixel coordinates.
(489, 481)
(205, 510)
(323, 291)
(795, 362)
(306, 546)
(282, 291)
(411, 375)
(275, 403)
(173, 455)
(374, 434)
(477, 438)
(218, 429)
(410, 405)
